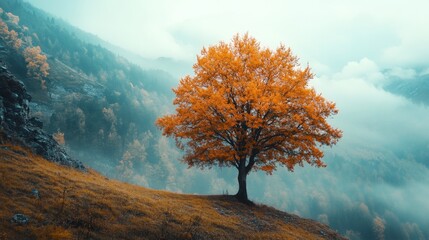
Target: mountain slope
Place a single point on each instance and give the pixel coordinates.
(104, 105)
(63, 203)
(17, 125)
(416, 89)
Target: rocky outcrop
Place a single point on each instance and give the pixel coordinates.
(18, 126)
(20, 219)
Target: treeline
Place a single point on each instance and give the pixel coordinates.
(104, 106)
(61, 41)
(19, 39)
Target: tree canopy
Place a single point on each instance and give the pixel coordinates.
(249, 107)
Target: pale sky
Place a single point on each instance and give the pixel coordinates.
(326, 34)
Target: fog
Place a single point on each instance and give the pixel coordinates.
(376, 184)
(380, 166)
(327, 34)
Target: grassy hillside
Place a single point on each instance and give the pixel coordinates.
(70, 204)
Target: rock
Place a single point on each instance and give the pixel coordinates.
(36, 122)
(1, 111)
(35, 193)
(20, 219)
(20, 128)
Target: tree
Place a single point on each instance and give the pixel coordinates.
(251, 108)
(10, 37)
(37, 65)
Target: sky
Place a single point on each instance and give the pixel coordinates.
(325, 34)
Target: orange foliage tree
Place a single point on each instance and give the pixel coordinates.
(10, 37)
(59, 137)
(37, 65)
(251, 108)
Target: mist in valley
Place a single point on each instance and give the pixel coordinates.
(376, 183)
(374, 187)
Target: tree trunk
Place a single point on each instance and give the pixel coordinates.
(242, 187)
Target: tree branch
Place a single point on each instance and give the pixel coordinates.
(252, 160)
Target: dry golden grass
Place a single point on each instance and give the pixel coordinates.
(78, 205)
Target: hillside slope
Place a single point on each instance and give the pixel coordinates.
(103, 105)
(64, 203)
(17, 125)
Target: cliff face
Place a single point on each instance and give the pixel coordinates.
(18, 126)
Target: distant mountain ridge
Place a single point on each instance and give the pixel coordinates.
(415, 89)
